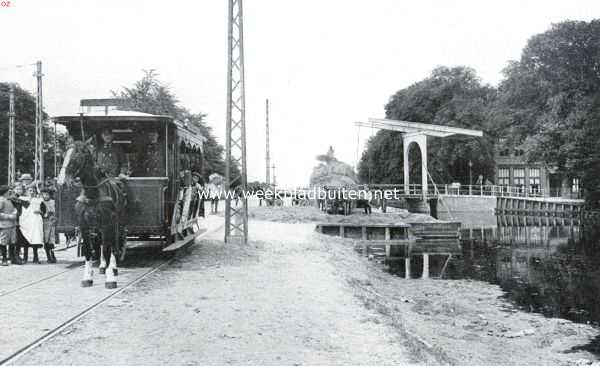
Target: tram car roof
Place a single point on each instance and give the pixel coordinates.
(122, 119)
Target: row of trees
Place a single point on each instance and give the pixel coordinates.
(24, 133)
(150, 95)
(147, 95)
(548, 104)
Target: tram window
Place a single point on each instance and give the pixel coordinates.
(149, 154)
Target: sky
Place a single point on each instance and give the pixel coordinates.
(323, 64)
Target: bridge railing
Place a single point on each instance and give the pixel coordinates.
(489, 190)
(459, 190)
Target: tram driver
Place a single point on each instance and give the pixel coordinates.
(111, 158)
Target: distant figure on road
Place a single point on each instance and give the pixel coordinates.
(215, 190)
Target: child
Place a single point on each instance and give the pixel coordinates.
(14, 250)
(8, 222)
(31, 222)
(49, 222)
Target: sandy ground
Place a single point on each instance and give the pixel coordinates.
(278, 301)
(301, 214)
(295, 297)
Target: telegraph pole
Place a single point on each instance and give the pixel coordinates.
(39, 128)
(268, 158)
(11, 135)
(236, 217)
(274, 177)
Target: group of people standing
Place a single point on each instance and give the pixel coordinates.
(27, 220)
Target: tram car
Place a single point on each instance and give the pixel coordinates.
(164, 208)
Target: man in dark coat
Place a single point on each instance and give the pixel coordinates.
(151, 158)
(110, 157)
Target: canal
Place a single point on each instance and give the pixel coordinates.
(544, 265)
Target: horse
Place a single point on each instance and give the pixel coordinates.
(99, 209)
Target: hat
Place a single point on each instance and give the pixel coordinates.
(197, 174)
(25, 176)
(4, 188)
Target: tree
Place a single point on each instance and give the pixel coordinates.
(552, 96)
(24, 133)
(150, 95)
(452, 97)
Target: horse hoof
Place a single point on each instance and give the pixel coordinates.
(110, 285)
(101, 270)
(87, 283)
(115, 271)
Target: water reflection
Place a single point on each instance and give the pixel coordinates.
(550, 266)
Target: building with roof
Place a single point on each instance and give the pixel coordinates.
(514, 169)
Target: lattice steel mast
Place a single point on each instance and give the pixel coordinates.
(274, 177)
(11, 135)
(268, 157)
(236, 216)
(39, 128)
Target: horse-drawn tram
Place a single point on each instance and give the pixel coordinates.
(127, 177)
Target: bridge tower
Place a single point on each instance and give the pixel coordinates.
(417, 133)
(236, 216)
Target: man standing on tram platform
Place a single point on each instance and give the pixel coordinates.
(151, 158)
(110, 157)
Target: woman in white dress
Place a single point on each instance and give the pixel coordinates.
(31, 222)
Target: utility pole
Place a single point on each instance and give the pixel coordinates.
(236, 217)
(11, 135)
(268, 158)
(274, 177)
(39, 128)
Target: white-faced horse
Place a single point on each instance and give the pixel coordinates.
(99, 210)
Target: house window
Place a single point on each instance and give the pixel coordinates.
(503, 177)
(575, 186)
(534, 180)
(519, 178)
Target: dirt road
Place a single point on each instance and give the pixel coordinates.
(295, 297)
(279, 301)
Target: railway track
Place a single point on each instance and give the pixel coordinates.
(15, 356)
(32, 283)
(10, 359)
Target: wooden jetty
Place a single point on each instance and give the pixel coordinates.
(536, 206)
(399, 242)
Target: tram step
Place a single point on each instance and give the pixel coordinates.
(183, 242)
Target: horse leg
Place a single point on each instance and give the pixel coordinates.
(111, 279)
(102, 266)
(88, 273)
